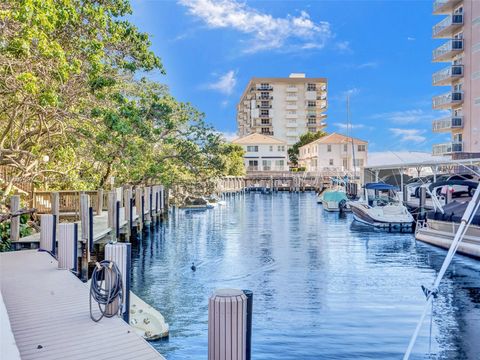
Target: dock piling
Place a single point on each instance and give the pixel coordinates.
(15, 221)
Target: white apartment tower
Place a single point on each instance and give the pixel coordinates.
(283, 107)
(459, 30)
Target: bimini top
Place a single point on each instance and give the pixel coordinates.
(334, 196)
(379, 186)
(453, 212)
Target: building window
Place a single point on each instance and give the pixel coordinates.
(345, 147)
(252, 148)
(264, 95)
(265, 104)
(312, 130)
(329, 148)
(264, 112)
(266, 165)
(330, 162)
(345, 163)
(265, 121)
(279, 164)
(266, 131)
(271, 148)
(311, 87)
(361, 147)
(311, 104)
(252, 164)
(358, 162)
(281, 148)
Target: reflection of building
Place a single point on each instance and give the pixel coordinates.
(460, 33)
(263, 153)
(334, 153)
(283, 107)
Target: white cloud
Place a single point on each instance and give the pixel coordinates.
(344, 47)
(267, 32)
(368, 65)
(410, 38)
(413, 135)
(229, 135)
(225, 83)
(406, 116)
(345, 126)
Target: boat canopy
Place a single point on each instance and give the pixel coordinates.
(334, 196)
(379, 186)
(453, 212)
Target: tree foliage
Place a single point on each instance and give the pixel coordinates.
(74, 110)
(305, 139)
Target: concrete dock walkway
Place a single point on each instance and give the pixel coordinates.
(49, 314)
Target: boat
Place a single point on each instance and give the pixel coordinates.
(146, 320)
(440, 225)
(381, 208)
(335, 200)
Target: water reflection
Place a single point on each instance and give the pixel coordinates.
(323, 288)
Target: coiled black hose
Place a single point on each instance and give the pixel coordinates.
(106, 289)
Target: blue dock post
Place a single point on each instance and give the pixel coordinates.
(54, 236)
(117, 220)
(249, 295)
(90, 229)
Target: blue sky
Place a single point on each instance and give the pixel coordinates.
(378, 51)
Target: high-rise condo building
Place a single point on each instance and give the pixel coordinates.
(460, 32)
(283, 107)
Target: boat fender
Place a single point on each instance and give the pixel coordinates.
(342, 205)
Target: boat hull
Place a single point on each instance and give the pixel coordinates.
(442, 233)
(361, 214)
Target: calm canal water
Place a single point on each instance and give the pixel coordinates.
(324, 288)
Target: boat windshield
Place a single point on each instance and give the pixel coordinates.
(382, 198)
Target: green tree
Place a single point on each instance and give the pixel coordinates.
(305, 139)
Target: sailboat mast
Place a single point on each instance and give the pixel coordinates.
(351, 137)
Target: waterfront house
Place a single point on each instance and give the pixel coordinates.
(336, 154)
(283, 107)
(263, 153)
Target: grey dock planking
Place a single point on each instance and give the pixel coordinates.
(50, 307)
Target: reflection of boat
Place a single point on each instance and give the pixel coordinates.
(441, 226)
(380, 207)
(146, 321)
(335, 200)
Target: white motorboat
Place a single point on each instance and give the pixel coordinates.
(146, 320)
(380, 207)
(441, 225)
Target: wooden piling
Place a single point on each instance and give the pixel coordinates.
(99, 208)
(15, 221)
(55, 205)
(112, 201)
(84, 235)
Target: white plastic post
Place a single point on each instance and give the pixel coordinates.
(47, 233)
(67, 246)
(120, 254)
(227, 325)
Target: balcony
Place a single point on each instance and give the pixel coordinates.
(291, 107)
(291, 116)
(448, 50)
(447, 100)
(291, 98)
(264, 87)
(265, 97)
(311, 122)
(264, 116)
(323, 96)
(448, 26)
(447, 124)
(292, 89)
(291, 124)
(447, 148)
(264, 106)
(444, 6)
(447, 75)
(268, 133)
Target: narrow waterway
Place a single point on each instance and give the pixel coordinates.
(324, 287)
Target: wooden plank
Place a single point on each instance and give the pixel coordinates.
(50, 308)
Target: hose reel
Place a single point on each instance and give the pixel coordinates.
(106, 289)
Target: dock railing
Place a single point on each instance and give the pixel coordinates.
(65, 202)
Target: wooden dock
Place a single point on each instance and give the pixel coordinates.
(49, 314)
